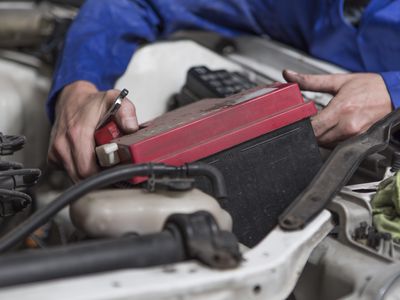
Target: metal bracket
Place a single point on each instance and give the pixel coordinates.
(337, 171)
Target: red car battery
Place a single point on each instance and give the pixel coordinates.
(261, 140)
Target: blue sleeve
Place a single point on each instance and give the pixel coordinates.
(392, 81)
(103, 37)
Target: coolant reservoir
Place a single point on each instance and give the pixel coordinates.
(112, 213)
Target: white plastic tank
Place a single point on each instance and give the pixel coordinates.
(115, 212)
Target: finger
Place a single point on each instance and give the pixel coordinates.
(331, 137)
(348, 127)
(126, 117)
(57, 162)
(83, 151)
(110, 96)
(52, 155)
(317, 83)
(107, 99)
(53, 158)
(325, 120)
(60, 154)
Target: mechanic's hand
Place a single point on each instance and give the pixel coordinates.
(79, 108)
(360, 100)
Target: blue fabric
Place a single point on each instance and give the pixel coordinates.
(101, 41)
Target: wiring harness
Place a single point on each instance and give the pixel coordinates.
(14, 178)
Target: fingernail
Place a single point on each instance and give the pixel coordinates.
(291, 72)
(130, 124)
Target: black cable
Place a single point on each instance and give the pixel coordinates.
(9, 165)
(16, 194)
(12, 202)
(101, 180)
(11, 143)
(23, 172)
(20, 178)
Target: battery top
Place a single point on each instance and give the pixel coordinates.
(209, 126)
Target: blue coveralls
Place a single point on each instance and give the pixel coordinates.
(101, 41)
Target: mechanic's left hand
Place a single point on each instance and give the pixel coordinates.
(360, 100)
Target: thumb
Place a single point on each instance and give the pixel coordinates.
(126, 117)
(316, 83)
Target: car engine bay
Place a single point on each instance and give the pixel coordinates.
(223, 193)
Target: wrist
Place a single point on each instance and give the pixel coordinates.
(78, 88)
(74, 92)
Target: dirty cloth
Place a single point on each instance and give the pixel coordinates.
(386, 207)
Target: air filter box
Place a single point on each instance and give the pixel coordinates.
(261, 140)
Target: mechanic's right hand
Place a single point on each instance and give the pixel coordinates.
(79, 109)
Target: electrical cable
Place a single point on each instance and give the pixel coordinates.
(21, 178)
(11, 143)
(14, 202)
(9, 165)
(16, 194)
(101, 180)
(13, 176)
(23, 172)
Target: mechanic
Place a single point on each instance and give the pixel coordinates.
(359, 35)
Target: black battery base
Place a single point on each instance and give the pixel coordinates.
(264, 176)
